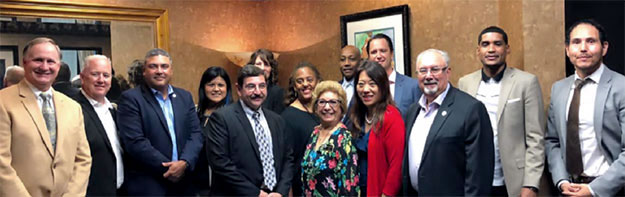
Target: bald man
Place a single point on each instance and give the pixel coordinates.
(350, 57)
(13, 75)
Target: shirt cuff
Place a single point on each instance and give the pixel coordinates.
(534, 189)
(592, 193)
(562, 182)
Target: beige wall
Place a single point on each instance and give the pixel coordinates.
(201, 31)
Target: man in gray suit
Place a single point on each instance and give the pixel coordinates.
(514, 103)
(585, 129)
(404, 89)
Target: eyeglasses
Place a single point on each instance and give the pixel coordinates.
(251, 87)
(433, 71)
(333, 103)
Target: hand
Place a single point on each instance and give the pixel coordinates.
(578, 190)
(275, 194)
(566, 187)
(263, 194)
(175, 171)
(527, 192)
(384, 195)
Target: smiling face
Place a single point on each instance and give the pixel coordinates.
(380, 52)
(492, 50)
(328, 108)
(585, 50)
(215, 90)
(41, 65)
(157, 72)
(263, 65)
(349, 61)
(432, 84)
(305, 82)
(96, 78)
(367, 89)
(253, 91)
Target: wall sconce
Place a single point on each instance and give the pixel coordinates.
(241, 58)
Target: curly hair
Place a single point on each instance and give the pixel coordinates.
(291, 94)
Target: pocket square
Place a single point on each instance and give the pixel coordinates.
(513, 100)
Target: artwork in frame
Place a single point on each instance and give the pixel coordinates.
(8, 57)
(358, 28)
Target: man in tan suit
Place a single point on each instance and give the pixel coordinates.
(43, 148)
(514, 103)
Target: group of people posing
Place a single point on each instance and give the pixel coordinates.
(375, 132)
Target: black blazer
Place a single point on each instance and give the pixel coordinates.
(144, 133)
(275, 99)
(103, 177)
(458, 158)
(234, 157)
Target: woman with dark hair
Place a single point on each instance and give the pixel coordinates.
(379, 132)
(214, 92)
(263, 59)
(299, 116)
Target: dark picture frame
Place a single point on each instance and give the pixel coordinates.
(392, 21)
(7, 52)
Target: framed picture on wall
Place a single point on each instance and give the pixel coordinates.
(358, 28)
(8, 57)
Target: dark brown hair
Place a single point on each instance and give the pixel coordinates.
(291, 94)
(358, 111)
(267, 57)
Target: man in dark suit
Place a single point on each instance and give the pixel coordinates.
(160, 132)
(62, 84)
(449, 149)
(350, 58)
(404, 89)
(246, 144)
(107, 169)
(586, 122)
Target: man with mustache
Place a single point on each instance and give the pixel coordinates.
(514, 102)
(449, 149)
(43, 148)
(586, 122)
(107, 174)
(246, 143)
(160, 132)
(350, 58)
(404, 89)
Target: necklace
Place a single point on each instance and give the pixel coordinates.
(367, 119)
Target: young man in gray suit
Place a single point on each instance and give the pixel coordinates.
(586, 121)
(514, 103)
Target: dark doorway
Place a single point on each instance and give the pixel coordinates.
(611, 15)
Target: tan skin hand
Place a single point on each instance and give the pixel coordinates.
(577, 190)
(263, 194)
(175, 171)
(275, 194)
(527, 192)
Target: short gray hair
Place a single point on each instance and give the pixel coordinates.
(157, 52)
(14, 74)
(444, 54)
(91, 57)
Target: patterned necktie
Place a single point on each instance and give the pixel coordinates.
(266, 152)
(48, 117)
(574, 164)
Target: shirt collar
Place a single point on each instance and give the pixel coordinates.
(595, 76)
(36, 91)
(170, 90)
(497, 77)
(392, 77)
(250, 111)
(438, 100)
(95, 103)
(350, 82)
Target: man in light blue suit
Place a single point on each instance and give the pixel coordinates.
(586, 125)
(405, 90)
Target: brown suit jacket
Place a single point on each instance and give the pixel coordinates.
(28, 164)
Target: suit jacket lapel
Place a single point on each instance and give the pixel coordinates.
(247, 128)
(563, 96)
(179, 111)
(149, 97)
(439, 120)
(474, 82)
(273, 129)
(93, 116)
(603, 88)
(398, 92)
(29, 101)
(507, 83)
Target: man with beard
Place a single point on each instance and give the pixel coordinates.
(514, 103)
(586, 125)
(350, 58)
(449, 149)
(160, 132)
(246, 144)
(404, 89)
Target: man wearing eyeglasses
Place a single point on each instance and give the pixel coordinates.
(246, 143)
(160, 132)
(449, 141)
(514, 103)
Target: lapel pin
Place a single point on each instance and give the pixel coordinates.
(444, 113)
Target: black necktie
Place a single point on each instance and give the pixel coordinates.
(574, 164)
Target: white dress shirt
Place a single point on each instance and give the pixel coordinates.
(38, 92)
(348, 86)
(595, 163)
(263, 122)
(488, 93)
(106, 118)
(391, 81)
(419, 133)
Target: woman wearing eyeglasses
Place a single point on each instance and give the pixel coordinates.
(330, 163)
(379, 131)
(299, 116)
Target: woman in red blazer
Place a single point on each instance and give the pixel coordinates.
(379, 132)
